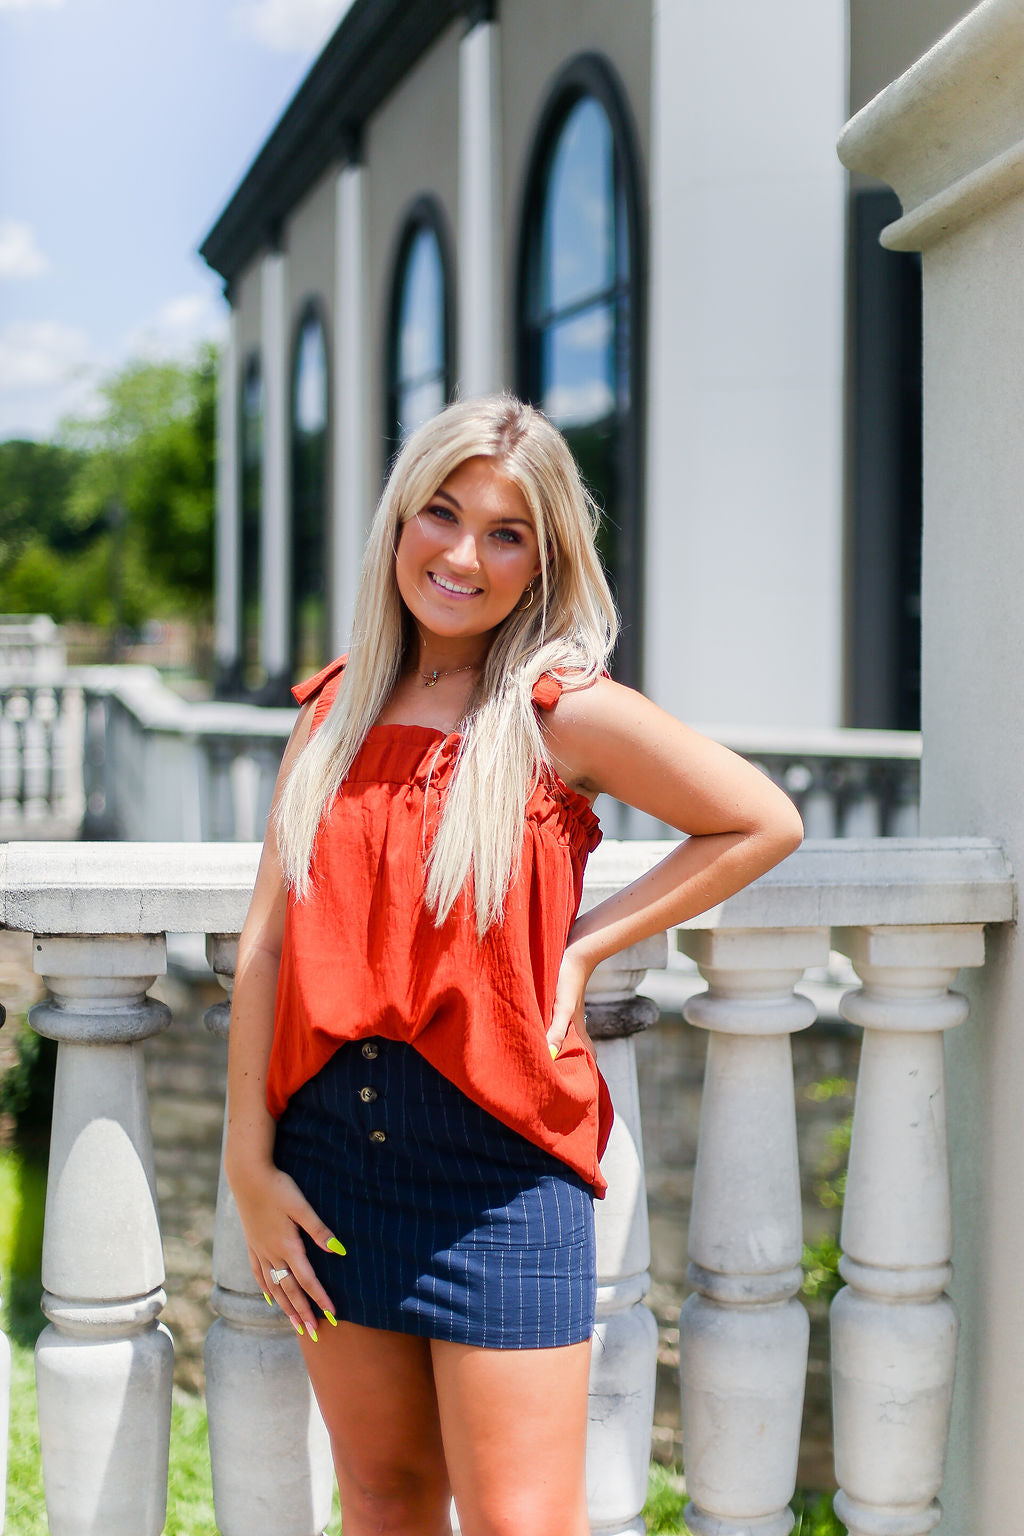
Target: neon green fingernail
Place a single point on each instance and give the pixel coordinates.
(312, 1334)
(268, 1299)
(298, 1328)
(331, 1319)
(334, 1246)
(554, 1050)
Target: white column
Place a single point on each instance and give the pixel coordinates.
(625, 1357)
(352, 497)
(275, 570)
(228, 507)
(745, 382)
(269, 1451)
(946, 136)
(894, 1330)
(104, 1364)
(743, 1334)
(480, 287)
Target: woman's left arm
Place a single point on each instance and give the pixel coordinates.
(607, 739)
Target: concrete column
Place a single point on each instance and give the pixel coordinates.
(269, 1452)
(480, 284)
(894, 1330)
(352, 495)
(947, 136)
(743, 1334)
(104, 1364)
(275, 571)
(228, 510)
(624, 1362)
(745, 335)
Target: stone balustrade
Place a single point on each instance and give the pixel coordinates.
(908, 913)
(114, 751)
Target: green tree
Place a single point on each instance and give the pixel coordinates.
(148, 471)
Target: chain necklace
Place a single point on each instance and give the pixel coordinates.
(430, 678)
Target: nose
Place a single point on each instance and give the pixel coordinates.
(463, 554)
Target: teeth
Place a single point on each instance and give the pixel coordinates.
(451, 586)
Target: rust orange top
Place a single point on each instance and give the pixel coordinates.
(362, 954)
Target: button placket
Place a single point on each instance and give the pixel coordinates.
(369, 1095)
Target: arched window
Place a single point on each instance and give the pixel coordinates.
(420, 350)
(250, 668)
(579, 326)
(309, 495)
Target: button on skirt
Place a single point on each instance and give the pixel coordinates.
(455, 1226)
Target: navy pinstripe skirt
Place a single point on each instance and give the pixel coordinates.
(456, 1227)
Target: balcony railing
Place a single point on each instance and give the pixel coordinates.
(118, 750)
(909, 914)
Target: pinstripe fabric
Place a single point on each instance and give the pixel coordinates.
(456, 1227)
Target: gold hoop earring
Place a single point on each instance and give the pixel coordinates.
(521, 607)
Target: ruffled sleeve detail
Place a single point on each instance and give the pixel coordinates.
(325, 683)
(547, 691)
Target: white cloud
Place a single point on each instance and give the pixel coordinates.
(20, 256)
(288, 26)
(178, 327)
(47, 370)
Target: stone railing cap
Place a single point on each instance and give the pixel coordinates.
(205, 887)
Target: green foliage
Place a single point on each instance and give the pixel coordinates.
(666, 1498)
(115, 522)
(22, 1201)
(821, 1259)
(815, 1516)
(26, 1088)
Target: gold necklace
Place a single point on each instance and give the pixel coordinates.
(430, 678)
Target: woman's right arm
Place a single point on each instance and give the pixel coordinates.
(271, 1206)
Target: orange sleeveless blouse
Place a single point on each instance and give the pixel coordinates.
(363, 956)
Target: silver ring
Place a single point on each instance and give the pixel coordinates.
(277, 1275)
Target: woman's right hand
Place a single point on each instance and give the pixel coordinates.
(274, 1213)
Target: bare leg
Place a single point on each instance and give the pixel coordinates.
(514, 1424)
(376, 1393)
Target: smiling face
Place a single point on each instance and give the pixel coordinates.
(465, 558)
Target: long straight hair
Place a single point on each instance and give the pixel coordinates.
(571, 629)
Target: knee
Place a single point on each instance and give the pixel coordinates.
(540, 1513)
(394, 1498)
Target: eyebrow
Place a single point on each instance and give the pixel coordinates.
(525, 521)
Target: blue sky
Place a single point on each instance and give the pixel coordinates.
(125, 126)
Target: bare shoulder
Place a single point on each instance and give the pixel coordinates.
(605, 738)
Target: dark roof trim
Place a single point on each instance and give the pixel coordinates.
(376, 43)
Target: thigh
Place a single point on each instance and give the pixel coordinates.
(376, 1393)
(514, 1425)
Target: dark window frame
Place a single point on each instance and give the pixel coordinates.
(592, 75)
(312, 309)
(426, 212)
(251, 369)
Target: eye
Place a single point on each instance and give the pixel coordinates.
(437, 509)
(508, 535)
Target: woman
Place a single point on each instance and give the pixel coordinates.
(415, 1122)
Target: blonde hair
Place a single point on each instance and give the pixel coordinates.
(570, 628)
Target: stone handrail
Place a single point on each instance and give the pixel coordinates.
(908, 913)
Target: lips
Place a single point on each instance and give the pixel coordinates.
(453, 588)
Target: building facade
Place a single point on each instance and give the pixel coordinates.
(631, 214)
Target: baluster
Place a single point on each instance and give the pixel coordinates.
(742, 1334)
(104, 1364)
(269, 1451)
(625, 1351)
(894, 1330)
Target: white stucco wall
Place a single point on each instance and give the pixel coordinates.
(745, 398)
